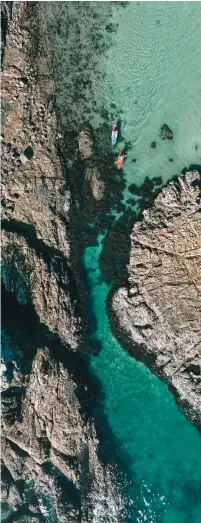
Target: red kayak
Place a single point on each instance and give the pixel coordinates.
(121, 159)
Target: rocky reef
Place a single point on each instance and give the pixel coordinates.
(166, 133)
(51, 468)
(158, 314)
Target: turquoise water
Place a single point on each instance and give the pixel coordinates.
(141, 64)
(153, 76)
(154, 61)
(163, 448)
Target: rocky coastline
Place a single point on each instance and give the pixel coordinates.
(51, 465)
(156, 315)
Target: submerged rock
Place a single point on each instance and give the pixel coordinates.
(159, 312)
(86, 144)
(166, 133)
(97, 187)
(92, 174)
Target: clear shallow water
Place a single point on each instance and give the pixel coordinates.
(150, 70)
(163, 448)
(153, 76)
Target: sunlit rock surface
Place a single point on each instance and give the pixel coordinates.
(160, 309)
(51, 469)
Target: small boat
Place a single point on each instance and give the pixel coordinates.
(114, 134)
(121, 159)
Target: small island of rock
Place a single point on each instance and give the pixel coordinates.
(166, 133)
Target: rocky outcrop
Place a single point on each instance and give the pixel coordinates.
(159, 312)
(51, 468)
(34, 192)
(41, 277)
(166, 133)
(52, 448)
(6, 17)
(35, 196)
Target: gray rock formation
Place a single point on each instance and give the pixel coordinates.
(40, 276)
(51, 468)
(160, 309)
(6, 16)
(35, 196)
(55, 452)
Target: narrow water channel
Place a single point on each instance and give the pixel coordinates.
(146, 72)
(163, 448)
(144, 79)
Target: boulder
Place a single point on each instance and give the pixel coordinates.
(166, 133)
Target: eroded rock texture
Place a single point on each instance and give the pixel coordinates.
(35, 195)
(160, 310)
(51, 470)
(50, 458)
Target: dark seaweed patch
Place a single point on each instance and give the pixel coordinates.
(116, 248)
(111, 28)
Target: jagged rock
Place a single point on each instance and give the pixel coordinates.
(9, 492)
(160, 310)
(42, 279)
(51, 417)
(50, 449)
(6, 17)
(166, 133)
(52, 441)
(34, 192)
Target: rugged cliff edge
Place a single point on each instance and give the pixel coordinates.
(158, 314)
(51, 469)
(35, 195)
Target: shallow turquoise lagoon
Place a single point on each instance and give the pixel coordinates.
(153, 76)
